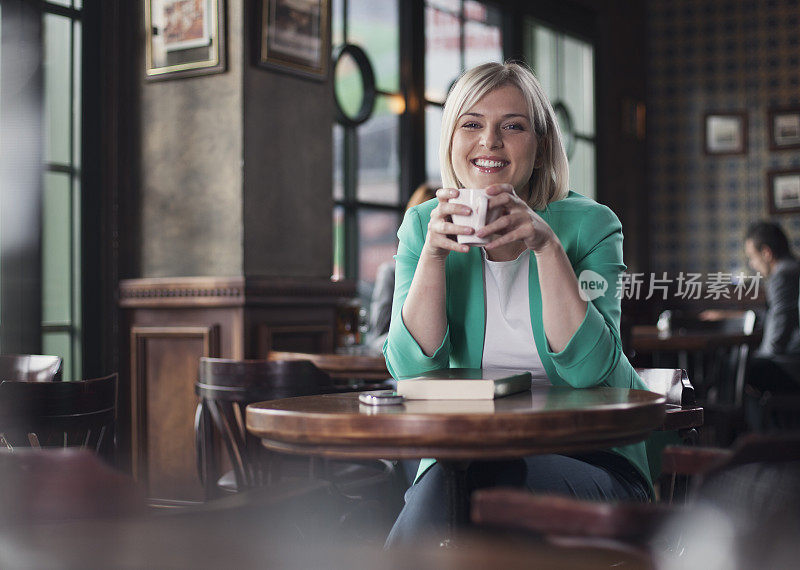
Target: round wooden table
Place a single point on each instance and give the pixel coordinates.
(543, 420)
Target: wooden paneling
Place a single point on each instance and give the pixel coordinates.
(164, 363)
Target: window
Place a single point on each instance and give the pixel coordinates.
(369, 201)
(565, 66)
(459, 34)
(41, 285)
(366, 193)
(61, 295)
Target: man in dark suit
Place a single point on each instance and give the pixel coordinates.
(775, 367)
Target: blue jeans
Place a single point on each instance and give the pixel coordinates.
(598, 476)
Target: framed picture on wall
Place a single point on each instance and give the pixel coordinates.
(783, 187)
(184, 38)
(784, 128)
(295, 37)
(725, 133)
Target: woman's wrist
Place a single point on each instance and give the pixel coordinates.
(549, 248)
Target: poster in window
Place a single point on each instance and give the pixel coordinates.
(295, 37)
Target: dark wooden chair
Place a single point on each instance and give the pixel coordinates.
(225, 388)
(30, 368)
(48, 485)
(681, 424)
(60, 414)
(633, 525)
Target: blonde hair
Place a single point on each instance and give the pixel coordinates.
(550, 179)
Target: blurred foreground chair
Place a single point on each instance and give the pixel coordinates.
(759, 480)
(60, 414)
(226, 387)
(30, 368)
(47, 485)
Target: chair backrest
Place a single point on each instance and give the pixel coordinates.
(342, 366)
(60, 414)
(673, 383)
(30, 368)
(248, 381)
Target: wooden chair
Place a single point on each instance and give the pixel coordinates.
(48, 485)
(629, 525)
(60, 414)
(30, 368)
(225, 388)
(342, 367)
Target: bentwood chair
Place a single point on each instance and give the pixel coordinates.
(60, 414)
(225, 388)
(30, 368)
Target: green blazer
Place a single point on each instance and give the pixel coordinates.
(592, 237)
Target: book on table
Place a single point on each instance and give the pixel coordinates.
(463, 384)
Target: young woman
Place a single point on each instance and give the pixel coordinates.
(516, 302)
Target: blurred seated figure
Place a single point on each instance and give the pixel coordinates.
(380, 309)
(775, 367)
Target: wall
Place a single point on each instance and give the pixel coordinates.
(191, 169)
(288, 178)
(715, 55)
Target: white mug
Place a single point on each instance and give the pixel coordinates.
(478, 201)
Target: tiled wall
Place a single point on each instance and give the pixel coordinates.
(715, 55)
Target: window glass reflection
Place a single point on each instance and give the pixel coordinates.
(374, 26)
(378, 156)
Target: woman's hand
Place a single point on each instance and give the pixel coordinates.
(514, 220)
(440, 240)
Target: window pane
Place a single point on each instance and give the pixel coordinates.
(349, 85)
(377, 241)
(379, 156)
(442, 53)
(338, 162)
(452, 5)
(482, 43)
(578, 92)
(57, 88)
(433, 126)
(375, 27)
(582, 169)
(338, 243)
(76, 94)
(337, 23)
(59, 344)
(540, 47)
(56, 241)
(66, 3)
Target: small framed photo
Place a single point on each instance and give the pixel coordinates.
(295, 37)
(784, 128)
(725, 133)
(783, 187)
(184, 38)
